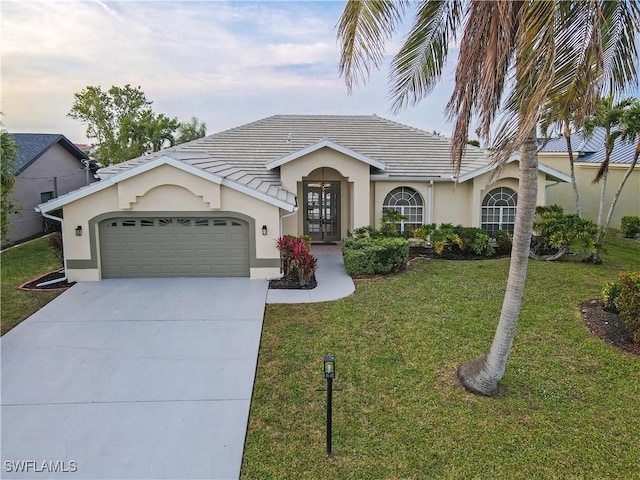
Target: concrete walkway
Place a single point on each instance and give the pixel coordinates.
(133, 379)
(333, 281)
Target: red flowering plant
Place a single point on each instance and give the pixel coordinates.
(297, 261)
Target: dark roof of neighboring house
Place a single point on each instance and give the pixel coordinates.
(32, 146)
(591, 149)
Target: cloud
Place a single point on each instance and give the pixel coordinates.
(221, 61)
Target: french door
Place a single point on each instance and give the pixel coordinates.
(322, 210)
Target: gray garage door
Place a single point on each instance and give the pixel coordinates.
(174, 247)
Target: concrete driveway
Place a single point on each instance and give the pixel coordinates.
(133, 378)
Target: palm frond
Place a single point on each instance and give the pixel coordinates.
(363, 30)
(417, 67)
(484, 63)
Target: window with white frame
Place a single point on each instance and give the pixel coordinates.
(499, 210)
(407, 202)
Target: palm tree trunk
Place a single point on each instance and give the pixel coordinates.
(481, 375)
(622, 182)
(574, 185)
(595, 257)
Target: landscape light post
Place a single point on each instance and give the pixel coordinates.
(329, 373)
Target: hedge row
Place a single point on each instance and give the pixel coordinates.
(374, 256)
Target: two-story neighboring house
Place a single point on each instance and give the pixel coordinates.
(47, 166)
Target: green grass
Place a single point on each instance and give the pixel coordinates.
(21, 264)
(568, 405)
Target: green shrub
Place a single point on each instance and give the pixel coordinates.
(474, 240)
(610, 294)
(504, 241)
(374, 256)
(629, 302)
(560, 230)
(630, 226)
(390, 221)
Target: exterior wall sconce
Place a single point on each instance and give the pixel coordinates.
(79, 231)
(264, 230)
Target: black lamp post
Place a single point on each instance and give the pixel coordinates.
(329, 373)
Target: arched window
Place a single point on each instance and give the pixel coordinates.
(499, 210)
(407, 202)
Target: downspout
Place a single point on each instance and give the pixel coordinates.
(278, 276)
(64, 251)
(430, 209)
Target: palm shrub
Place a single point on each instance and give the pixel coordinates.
(389, 222)
(458, 239)
(443, 238)
(560, 231)
(474, 240)
(297, 261)
(629, 302)
(630, 226)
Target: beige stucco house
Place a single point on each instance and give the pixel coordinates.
(215, 206)
(589, 153)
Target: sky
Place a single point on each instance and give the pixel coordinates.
(226, 63)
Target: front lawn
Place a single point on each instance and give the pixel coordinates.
(21, 264)
(569, 405)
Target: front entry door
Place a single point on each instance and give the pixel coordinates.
(322, 207)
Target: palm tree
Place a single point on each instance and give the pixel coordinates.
(630, 131)
(191, 130)
(514, 57)
(561, 118)
(608, 115)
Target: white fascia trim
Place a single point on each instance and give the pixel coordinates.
(322, 144)
(552, 172)
(259, 195)
(409, 178)
(119, 177)
(487, 168)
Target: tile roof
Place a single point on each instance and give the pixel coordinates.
(32, 146)
(242, 154)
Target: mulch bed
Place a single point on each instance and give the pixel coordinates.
(425, 252)
(31, 284)
(292, 284)
(608, 326)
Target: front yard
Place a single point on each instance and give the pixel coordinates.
(568, 407)
(21, 264)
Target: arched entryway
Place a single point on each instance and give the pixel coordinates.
(322, 205)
